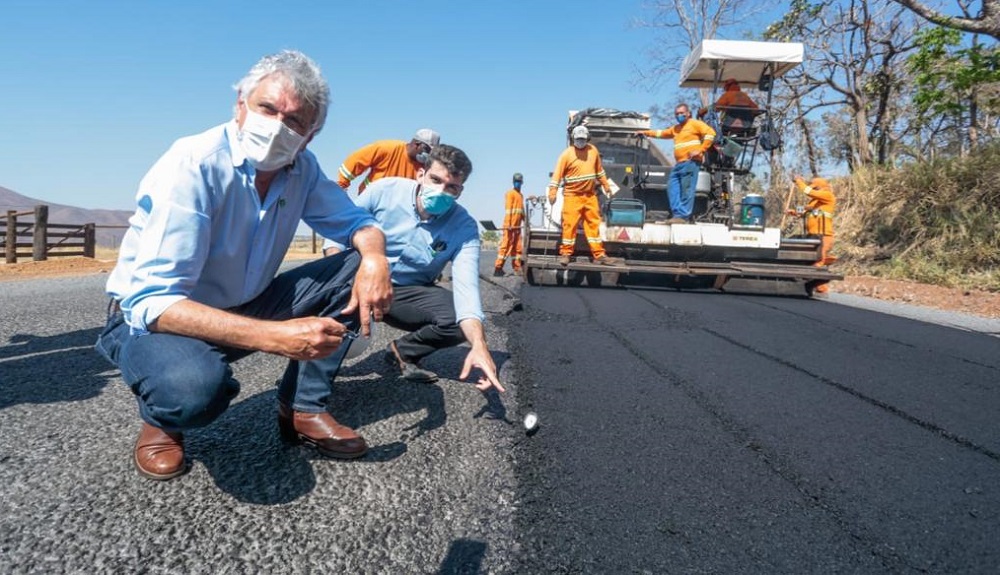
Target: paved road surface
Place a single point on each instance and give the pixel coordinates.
(437, 492)
(681, 433)
(719, 433)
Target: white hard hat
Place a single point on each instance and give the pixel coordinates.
(581, 132)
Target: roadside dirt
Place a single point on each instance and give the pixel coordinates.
(981, 303)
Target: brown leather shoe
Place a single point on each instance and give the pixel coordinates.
(159, 455)
(321, 431)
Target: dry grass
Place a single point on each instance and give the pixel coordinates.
(935, 222)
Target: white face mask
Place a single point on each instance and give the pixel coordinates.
(267, 142)
(580, 143)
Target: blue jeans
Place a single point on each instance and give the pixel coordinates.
(182, 382)
(681, 188)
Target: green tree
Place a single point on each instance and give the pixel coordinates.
(490, 237)
(958, 85)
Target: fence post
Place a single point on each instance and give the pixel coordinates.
(10, 247)
(89, 240)
(40, 237)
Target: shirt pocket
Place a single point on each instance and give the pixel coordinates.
(416, 255)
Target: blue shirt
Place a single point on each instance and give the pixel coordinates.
(419, 250)
(202, 233)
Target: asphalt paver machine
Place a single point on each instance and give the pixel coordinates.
(728, 245)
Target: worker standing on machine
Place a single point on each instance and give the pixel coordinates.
(513, 217)
(818, 218)
(578, 171)
(692, 138)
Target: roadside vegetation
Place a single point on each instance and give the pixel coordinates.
(935, 222)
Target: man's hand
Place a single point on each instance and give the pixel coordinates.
(372, 292)
(308, 338)
(552, 200)
(301, 338)
(480, 358)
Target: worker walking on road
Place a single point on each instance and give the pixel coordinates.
(818, 218)
(513, 217)
(388, 158)
(578, 171)
(692, 138)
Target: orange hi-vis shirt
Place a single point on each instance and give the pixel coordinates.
(513, 211)
(382, 159)
(819, 210)
(578, 170)
(690, 137)
(735, 99)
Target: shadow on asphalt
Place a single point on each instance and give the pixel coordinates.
(52, 369)
(464, 556)
(245, 457)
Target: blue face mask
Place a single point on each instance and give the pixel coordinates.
(517, 186)
(436, 201)
(681, 118)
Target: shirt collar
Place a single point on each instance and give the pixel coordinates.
(413, 202)
(235, 150)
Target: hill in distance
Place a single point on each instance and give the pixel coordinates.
(61, 214)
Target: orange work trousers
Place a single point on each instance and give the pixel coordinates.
(510, 248)
(574, 209)
(825, 259)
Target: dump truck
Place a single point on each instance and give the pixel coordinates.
(728, 245)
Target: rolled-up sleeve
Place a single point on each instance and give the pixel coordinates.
(174, 233)
(465, 282)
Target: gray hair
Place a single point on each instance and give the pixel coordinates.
(301, 72)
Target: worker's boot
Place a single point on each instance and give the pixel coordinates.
(564, 261)
(498, 272)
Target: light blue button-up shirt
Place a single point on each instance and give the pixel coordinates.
(418, 251)
(202, 233)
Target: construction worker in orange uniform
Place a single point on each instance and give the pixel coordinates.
(385, 159)
(578, 170)
(819, 221)
(737, 108)
(513, 217)
(692, 138)
(388, 158)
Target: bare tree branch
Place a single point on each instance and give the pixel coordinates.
(988, 21)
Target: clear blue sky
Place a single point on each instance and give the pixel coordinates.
(93, 92)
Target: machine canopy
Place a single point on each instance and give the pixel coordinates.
(718, 60)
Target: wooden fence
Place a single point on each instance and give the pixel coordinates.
(44, 239)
